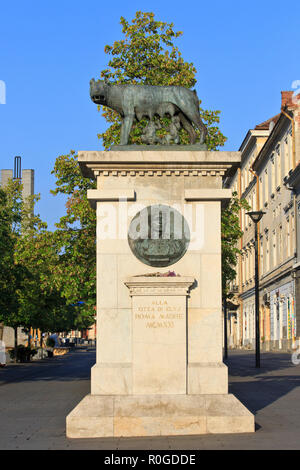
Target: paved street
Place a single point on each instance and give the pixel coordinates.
(35, 399)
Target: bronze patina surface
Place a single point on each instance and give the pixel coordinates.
(159, 235)
(134, 102)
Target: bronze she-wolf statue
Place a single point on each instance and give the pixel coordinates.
(136, 101)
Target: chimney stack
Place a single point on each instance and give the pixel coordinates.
(288, 99)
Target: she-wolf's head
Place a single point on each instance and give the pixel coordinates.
(98, 91)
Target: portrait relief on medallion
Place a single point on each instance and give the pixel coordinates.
(158, 235)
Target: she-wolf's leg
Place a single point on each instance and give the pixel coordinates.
(186, 124)
(126, 128)
(193, 116)
(196, 119)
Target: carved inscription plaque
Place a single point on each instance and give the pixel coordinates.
(159, 344)
(160, 314)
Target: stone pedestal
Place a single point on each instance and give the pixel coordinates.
(159, 368)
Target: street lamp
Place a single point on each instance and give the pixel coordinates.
(256, 217)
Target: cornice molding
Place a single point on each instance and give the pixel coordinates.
(148, 285)
(157, 163)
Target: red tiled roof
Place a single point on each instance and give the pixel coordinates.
(266, 124)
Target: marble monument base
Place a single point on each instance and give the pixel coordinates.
(159, 369)
(158, 415)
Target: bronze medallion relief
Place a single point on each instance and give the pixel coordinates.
(158, 235)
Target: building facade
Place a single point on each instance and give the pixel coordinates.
(270, 153)
(27, 181)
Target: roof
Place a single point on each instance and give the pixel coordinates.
(270, 141)
(266, 124)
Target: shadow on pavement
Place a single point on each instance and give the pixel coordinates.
(76, 365)
(243, 363)
(257, 388)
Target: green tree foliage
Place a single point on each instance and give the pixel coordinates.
(35, 290)
(231, 233)
(75, 241)
(147, 55)
(17, 282)
(45, 304)
(10, 274)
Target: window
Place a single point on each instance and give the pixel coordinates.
(282, 159)
(261, 255)
(266, 186)
(250, 263)
(261, 201)
(267, 258)
(254, 200)
(273, 174)
(278, 166)
(288, 164)
(252, 266)
(286, 156)
(292, 232)
(280, 245)
(274, 249)
(288, 237)
(244, 268)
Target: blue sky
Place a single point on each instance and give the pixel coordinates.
(245, 54)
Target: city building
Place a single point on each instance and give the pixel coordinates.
(269, 180)
(27, 179)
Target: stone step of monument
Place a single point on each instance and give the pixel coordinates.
(158, 415)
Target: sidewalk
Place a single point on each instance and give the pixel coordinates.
(35, 399)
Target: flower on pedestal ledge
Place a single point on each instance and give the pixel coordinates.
(168, 274)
